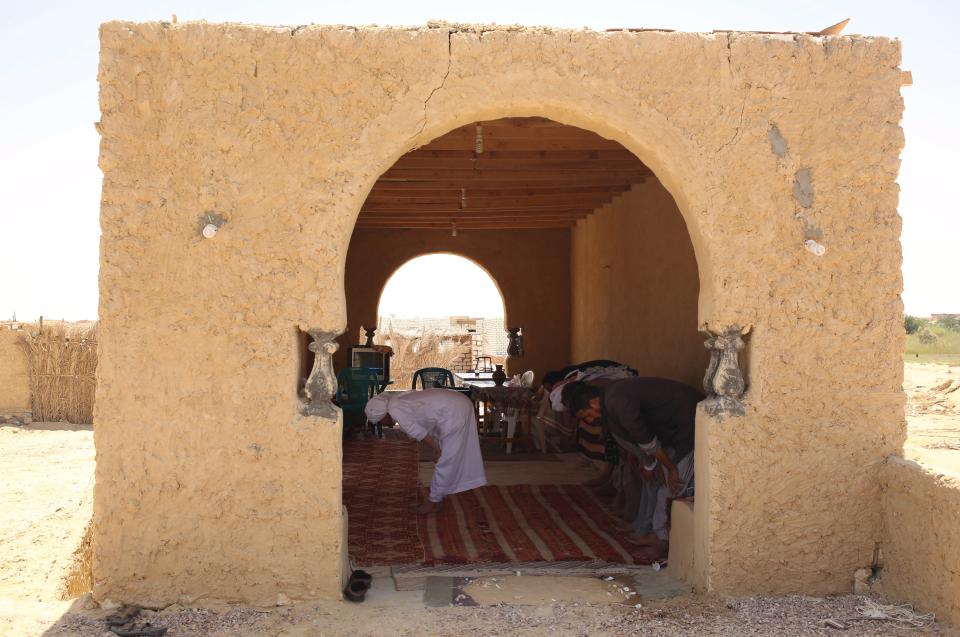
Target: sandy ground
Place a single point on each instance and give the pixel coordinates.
(47, 472)
(933, 416)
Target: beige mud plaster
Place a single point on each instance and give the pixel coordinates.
(15, 403)
(920, 561)
(210, 485)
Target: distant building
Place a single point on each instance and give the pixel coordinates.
(474, 336)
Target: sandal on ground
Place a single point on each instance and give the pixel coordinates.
(142, 631)
(355, 591)
(123, 615)
(362, 576)
(357, 586)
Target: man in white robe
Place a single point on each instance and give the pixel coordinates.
(445, 421)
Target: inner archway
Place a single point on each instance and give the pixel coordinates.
(440, 310)
(593, 260)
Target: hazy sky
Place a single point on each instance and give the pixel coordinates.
(412, 290)
(50, 182)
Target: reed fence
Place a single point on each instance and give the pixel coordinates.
(63, 365)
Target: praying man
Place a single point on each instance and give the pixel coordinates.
(656, 419)
(444, 420)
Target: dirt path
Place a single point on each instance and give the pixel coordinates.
(679, 617)
(47, 476)
(933, 415)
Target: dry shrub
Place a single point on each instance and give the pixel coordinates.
(79, 577)
(63, 365)
(428, 349)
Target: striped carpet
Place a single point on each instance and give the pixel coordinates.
(523, 523)
(493, 524)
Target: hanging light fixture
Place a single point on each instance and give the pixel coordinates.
(478, 144)
(463, 199)
(453, 230)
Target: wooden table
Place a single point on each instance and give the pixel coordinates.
(475, 379)
(513, 402)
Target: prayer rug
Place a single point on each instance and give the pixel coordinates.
(524, 523)
(380, 493)
(493, 450)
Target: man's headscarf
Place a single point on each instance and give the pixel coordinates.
(377, 407)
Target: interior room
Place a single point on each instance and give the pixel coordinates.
(593, 262)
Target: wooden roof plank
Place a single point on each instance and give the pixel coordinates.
(529, 181)
(404, 193)
(472, 225)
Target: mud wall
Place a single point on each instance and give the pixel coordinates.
(531, 268)
(14, 375)
(635, 287)
(921, 562)
(209, 484)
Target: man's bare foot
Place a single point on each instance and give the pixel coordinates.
(622, 524)
(653, 553)
(646, 539)
(429, 507)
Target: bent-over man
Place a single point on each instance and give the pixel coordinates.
(444, 420)
(656, 417)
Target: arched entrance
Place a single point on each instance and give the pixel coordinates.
(440, 310)
(591, 252)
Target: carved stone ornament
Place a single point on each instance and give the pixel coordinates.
(723, 381)
(322, 383)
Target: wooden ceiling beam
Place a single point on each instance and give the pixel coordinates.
(499, 225)
(526, 155)
(451, 214)
(519, 143)
(497, 184)
(469, 202)
(407, 163)
(458, 220)
(423, 174)
(402, 193)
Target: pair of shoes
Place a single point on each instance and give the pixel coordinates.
(357, 586)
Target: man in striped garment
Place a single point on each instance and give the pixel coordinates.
(655, 419)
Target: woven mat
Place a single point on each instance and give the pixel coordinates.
(492, 450)
(490, 525)
(380, 493)
(524, 523)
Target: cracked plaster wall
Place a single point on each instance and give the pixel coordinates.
(209, 485)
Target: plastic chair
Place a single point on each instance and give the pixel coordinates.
(355, 386)
(526, 380)
(433, 377)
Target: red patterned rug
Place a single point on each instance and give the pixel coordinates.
(380, 493)
(524, 523)
(493, 524)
